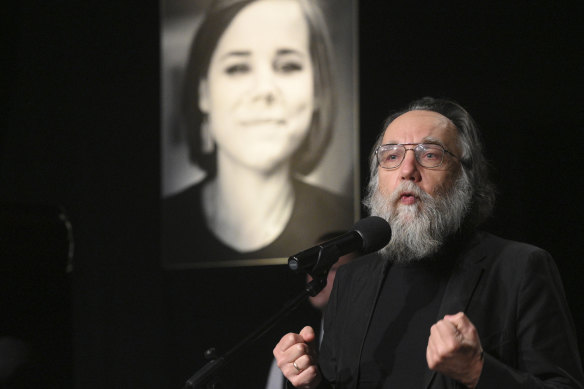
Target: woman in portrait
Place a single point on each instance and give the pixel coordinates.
(259, 109)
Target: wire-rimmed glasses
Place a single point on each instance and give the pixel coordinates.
(430, 155)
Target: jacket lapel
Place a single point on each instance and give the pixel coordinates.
(460, 288)
(380, 271)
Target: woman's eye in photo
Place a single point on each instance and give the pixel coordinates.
(235, 69)
(288, 66)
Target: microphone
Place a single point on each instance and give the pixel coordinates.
(367, 235)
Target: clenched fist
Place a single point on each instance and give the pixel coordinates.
(454, 349)
(296, 357)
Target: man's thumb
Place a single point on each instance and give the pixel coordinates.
(308, 334)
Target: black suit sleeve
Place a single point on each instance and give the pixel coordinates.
(546, 350)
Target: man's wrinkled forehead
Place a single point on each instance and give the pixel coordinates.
(421, 126)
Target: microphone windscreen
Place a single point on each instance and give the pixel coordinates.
(374, 231)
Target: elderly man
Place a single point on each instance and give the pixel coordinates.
(443, 305)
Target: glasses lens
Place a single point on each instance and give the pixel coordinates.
(429, 155)
(390, 156)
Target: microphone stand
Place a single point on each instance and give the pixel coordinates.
(327, 257)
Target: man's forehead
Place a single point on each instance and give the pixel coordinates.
(419, 126)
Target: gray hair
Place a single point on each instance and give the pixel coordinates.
(474, 164)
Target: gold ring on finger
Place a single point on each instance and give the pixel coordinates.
(296, 367)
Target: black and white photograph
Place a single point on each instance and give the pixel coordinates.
(259, 128)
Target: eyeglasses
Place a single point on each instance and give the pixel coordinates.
(429, 155)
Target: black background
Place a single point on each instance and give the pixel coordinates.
(80, 129)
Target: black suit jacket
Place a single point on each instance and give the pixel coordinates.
(511, 292)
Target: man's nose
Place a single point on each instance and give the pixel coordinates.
(409, 167)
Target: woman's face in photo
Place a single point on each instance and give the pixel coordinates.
(259, 90)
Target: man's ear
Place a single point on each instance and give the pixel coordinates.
(204, 95)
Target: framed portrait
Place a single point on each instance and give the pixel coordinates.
(259, 128)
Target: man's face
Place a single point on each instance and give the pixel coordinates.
(423, 205)
(420, 127)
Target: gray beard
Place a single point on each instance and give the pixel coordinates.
(420, 230)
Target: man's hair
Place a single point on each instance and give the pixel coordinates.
(474, 164)
(217, 19)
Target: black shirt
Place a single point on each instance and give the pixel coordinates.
(186, 239)
(394, 353)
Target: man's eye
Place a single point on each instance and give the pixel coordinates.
(392, 156)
